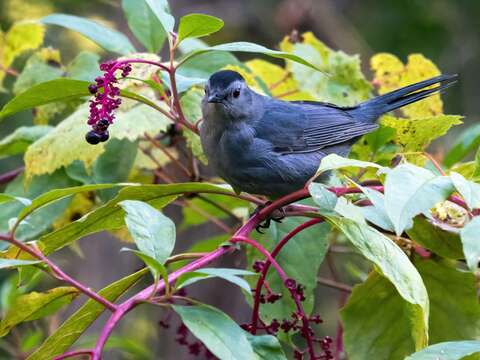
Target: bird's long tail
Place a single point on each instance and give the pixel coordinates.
(370, 110)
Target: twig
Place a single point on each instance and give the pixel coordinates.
(279, 82)
(334, 284)
(177, 163)
(435, 163)
(10, 175)
(285, 94)
(36, 253)
(205, 214)
(219, 207)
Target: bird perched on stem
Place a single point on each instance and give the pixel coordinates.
(271, 147)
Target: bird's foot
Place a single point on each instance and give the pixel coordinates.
(277, 216)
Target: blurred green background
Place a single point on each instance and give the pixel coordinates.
(446, 31)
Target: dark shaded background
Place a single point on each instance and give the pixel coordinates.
(446, 31)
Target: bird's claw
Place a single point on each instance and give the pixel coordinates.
(266, 224)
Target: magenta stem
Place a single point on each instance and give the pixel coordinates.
(5, 178)
(283, 276)
(143, 295)
(73, 353)
(276, 250)
(58, 272)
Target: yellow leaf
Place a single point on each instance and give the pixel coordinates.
(341, 82)
(66, 143)
(21, 37)
(81, 204)
(416, 134)
(280, 82)
(390, 74)
(249, 78)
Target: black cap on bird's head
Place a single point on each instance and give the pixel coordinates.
(223, 79)
(223, 84)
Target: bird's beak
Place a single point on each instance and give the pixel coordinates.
(215, 98)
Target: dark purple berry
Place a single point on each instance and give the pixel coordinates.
(104, 136)
(92, 88)
(101, 125)
(291, 284)
(93, 138)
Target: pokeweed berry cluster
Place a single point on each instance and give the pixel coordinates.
(105, 101)
(296, 322)
(196, 348)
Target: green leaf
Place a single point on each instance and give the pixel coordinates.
(153, 232)
(7, 263)
(266, 347)
(45, 93)
(248, 47)
(217, 331)
(107, 38)
(58, 194)
(411, 190)
(469, 190)
(157, 269)
(379, 137)
(76, 324)
(334, 161)
(376, 214)
(471, 245)
(231, 275)
(18, 141)
(144, 24)
(66, 143)
(191, 105)
(395, 266)
(198, 25)
(42, 219)
(6, 198)
(311, 244)
(345, 84)
(450, 350)
(468, 141)
(35, 305)
(161, 10)
(35, 71)
(31, 339)
(84, 66)
(203, 65)
(431, 237)
(454, 308)
(111, 217)
(114, 165)
(324, 198)
(377, 322)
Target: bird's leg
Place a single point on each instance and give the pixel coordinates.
(275, 217)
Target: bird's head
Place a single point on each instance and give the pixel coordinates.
(227, 96)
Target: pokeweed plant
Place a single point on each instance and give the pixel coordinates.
(412, 219)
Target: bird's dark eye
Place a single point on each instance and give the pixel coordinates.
(236, 93)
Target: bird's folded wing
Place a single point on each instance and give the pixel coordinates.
(299, 128)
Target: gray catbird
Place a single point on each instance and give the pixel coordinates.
(271, 147)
